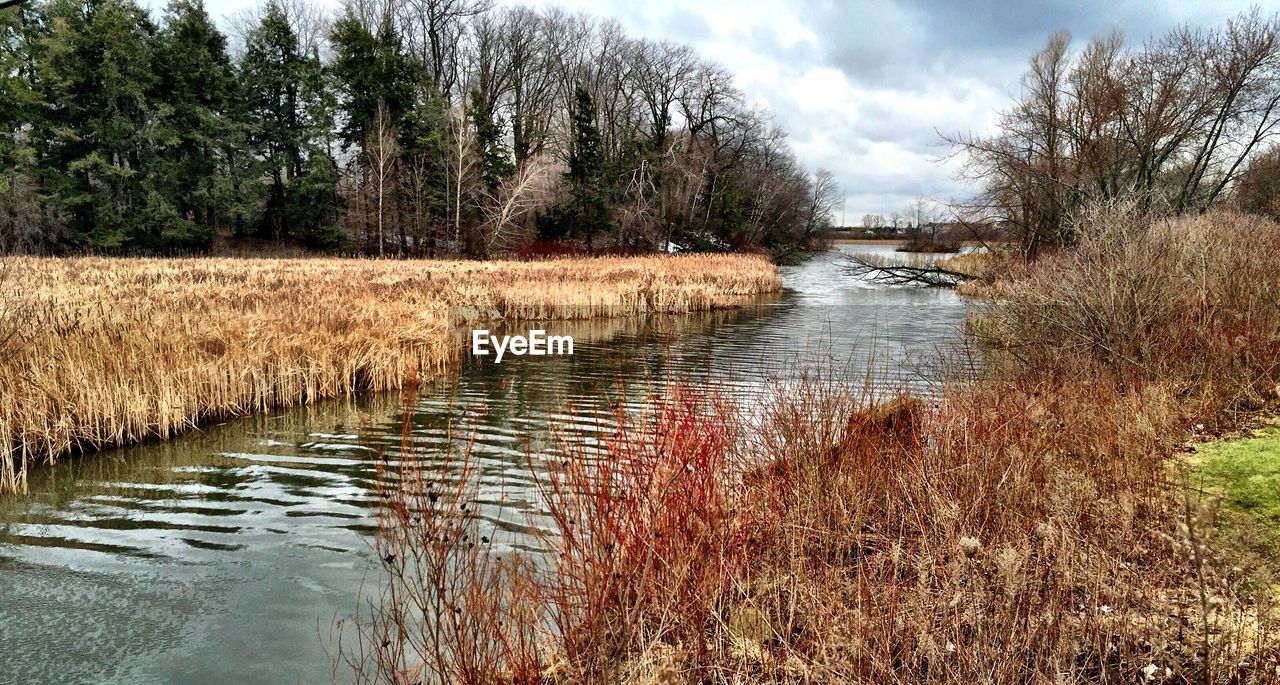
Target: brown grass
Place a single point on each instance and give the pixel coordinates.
(103, 352)
(1192, 302)
(1012, 532)
(1029, 526)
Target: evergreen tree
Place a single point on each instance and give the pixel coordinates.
(198, 137)
(370, 71)
(19, 101)
(29, 218)
(270, 76)
(424, 136)
(495, 157)
(95, 138)
(586, 214)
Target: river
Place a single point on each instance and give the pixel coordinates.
(224, 556)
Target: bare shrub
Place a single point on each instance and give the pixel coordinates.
(646, 541)
(1011, 530)
(446, 607)
(1188, 300)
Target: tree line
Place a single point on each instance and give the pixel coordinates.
(1181, 123)
(395, 127)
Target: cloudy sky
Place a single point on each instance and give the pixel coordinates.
(864, 87)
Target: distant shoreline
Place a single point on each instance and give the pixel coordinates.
(867, 241)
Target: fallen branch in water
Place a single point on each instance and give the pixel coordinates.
(916, 271)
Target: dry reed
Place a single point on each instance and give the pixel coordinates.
(103, 352)
(1028, 525)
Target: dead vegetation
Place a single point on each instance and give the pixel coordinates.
(1026, 526)
(914, 269)
(114, 351)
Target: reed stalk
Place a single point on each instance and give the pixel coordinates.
(101, 352)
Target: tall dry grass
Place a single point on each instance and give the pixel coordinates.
(1025, 526)
(1010, 532)
(101, 352)
(1189, 301)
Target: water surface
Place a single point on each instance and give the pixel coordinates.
(223, 556)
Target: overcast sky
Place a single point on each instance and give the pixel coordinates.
(863, 87)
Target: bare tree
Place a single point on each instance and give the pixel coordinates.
(1172, 124)
(310, 22)
(824, 196)
(30, 223)
(531, 99)
(1259, 188)
(434, 30)
(660, 73)
(506, 208)
(461, 164)
(382, 154)
(923, 219)
(892, 271)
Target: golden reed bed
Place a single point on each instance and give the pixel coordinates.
(98, 352)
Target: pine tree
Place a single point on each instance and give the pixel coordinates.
(587, 214)
(371, 72)
(198, 137)
(424, 136)
(18, 98)
(95, 140)
(271, 78)
(30, 220)
(495, 157)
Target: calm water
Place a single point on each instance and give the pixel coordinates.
(224, 556)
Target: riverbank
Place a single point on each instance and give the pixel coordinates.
(1240, 473)
(1027, 523)
(98, 352)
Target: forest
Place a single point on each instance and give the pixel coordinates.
(416, 128)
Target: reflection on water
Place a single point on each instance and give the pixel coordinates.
(222, 557)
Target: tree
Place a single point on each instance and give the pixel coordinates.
(287, 108)
(197, 139)
(530, 40)
(823, 197)
(434, 30)
(30, 220)
(426, 136)
(922, 224)
(95, 140)
(371, 72)
(506, 207)
(19, 101)
(1259, 189)
(382, 153)
(1171, 126)
(584, 218)
(122, 136)
(491, 150)
(461, 166)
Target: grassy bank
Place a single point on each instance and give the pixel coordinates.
(1243, 472)
(100, 352)
(1029, 525)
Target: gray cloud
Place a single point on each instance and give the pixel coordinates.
(865, 87)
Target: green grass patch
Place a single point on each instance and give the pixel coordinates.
(1246, 472)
